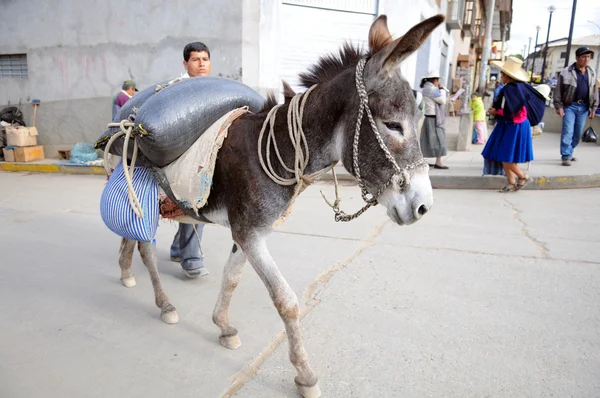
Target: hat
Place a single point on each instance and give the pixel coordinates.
(544, 89)
(130, 83)
(432, 74)
(583, 50)
(512, 67)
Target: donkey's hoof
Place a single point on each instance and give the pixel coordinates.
(128, 282)
(309, 392)
(170, 317)
(231, 342)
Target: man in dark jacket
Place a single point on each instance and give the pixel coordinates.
(575, 99)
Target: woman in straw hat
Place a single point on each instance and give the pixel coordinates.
(433, 132)
(510, 142)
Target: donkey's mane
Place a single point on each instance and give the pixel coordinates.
(327, 67)
(332, 64)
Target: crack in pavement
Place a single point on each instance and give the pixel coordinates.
(477, 252)
(311, 298)
(541, 246)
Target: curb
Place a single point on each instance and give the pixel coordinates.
(437, 181)
(497, 182)
(51, 168)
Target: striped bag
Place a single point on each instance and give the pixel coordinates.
(116, 211)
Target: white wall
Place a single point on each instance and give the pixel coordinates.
(404, 14)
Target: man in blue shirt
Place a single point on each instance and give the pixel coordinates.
(575, 99)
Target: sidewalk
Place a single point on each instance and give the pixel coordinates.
(466, 167)
(464, 173)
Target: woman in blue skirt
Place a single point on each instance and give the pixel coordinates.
(510, 142)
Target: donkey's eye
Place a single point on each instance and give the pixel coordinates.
(394, 126)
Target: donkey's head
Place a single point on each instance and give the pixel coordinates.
(401, 184)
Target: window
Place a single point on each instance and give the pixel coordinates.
(563, 55)
(13, 66)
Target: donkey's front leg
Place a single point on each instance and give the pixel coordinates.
(286, 302)
(125, 259)
(167, 311)
(232, 274)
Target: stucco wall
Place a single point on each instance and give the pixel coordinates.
(79, 53)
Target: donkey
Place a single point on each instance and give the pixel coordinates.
(383, 153)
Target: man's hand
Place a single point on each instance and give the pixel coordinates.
(592, 114)
(492, 111)
(560, 112)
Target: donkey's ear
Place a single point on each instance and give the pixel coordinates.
(412, 40)
(379, 34)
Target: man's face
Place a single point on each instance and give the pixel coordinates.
(583, 60)
(130, 91)
(198, 64)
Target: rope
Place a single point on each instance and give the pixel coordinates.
(134, 201)
(297, 137)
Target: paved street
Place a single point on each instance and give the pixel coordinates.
(489, 295)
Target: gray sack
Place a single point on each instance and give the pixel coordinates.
(170, 121)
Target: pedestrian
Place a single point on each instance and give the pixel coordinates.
(575, 100)
(185, 248)
(479, 122)
(510, 142)
(127, 91)
(497, 90)
(433, 132)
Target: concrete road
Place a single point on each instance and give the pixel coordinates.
(489, 295)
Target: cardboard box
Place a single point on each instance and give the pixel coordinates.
(9, 155)
(21, 136)
(29, 153)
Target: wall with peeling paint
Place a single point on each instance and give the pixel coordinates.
(79, 54)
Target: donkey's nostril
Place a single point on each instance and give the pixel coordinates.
(422, 210)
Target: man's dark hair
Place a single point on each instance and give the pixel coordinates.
(195, 46)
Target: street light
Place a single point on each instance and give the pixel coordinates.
(551, 9)
(528, 54)
(596, 55)
(537, 28)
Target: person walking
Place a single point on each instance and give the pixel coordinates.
(185, 248)
(575, 100)
(510, 142)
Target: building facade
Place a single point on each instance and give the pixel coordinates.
(74, 56)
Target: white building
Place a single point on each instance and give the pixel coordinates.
(557, 53)
(74, 56)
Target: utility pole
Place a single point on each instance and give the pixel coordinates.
(485, 55)
(537, 28)
(571, 33)
(503, 34)
(551, 9)
(597, 55)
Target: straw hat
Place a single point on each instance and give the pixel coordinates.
(512, 67)
(432, 74)
(544, 89)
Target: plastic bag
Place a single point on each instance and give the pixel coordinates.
(83, 153)
(589, 135)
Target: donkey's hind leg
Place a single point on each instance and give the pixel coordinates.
(286, 302)
(232, 274)
(167, 311)
(125, 259)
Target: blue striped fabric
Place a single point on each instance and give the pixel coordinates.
(116, 211)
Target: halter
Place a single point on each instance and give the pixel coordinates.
(401, 177)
